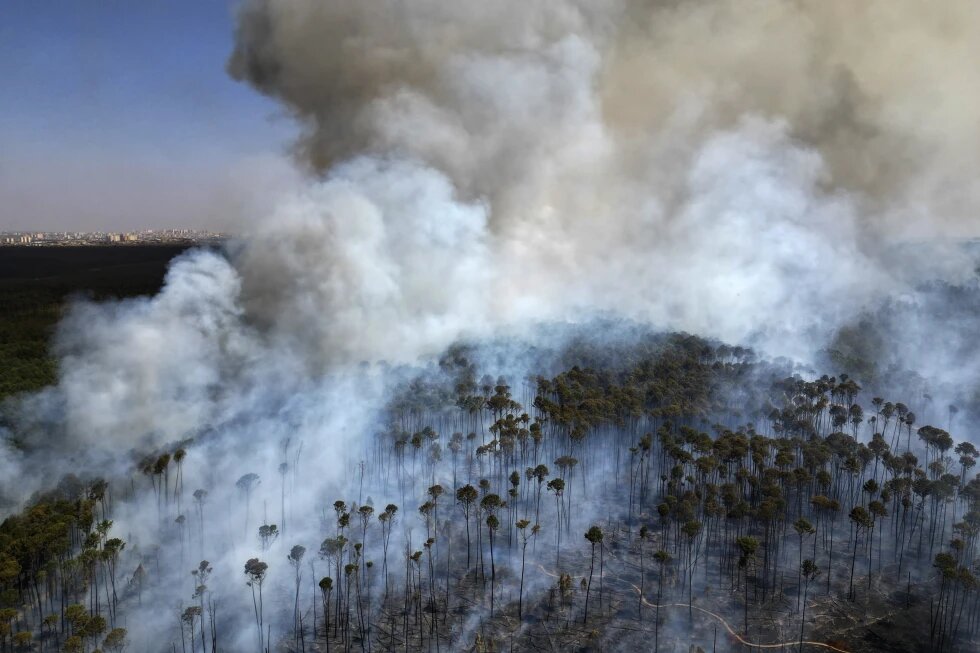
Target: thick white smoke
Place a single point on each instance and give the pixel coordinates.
(378, 262)
(741, 170)
(738, 169)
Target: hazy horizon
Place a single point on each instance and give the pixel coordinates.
(120, 116)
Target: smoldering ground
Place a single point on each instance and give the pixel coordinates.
(747, 171)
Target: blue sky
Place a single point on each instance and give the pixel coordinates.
(119, 114)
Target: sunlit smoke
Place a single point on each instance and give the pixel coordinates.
(761, 172)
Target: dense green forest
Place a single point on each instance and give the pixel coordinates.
(639, 491)
(35, 283)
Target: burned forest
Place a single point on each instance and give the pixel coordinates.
(668, 493)
(354, 326)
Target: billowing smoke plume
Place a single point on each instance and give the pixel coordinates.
(759, 171)
(740, 169)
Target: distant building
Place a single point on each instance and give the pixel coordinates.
(147, 236)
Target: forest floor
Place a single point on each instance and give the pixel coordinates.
(885, 618)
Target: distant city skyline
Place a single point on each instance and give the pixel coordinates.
(138, 236)
(119, 116)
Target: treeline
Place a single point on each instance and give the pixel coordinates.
(568, 509)
(37, 282)
(59, 573)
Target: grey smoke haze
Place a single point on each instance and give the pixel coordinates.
(514, 98)
(103, 190)
(742, 170)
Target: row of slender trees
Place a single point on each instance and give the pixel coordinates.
(721, 502)
(60, 573)
(676, 475)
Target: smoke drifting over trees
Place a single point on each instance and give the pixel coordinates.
(750, 167)
(791, 177)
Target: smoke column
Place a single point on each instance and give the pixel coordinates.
(737, 169)
(758, 171)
